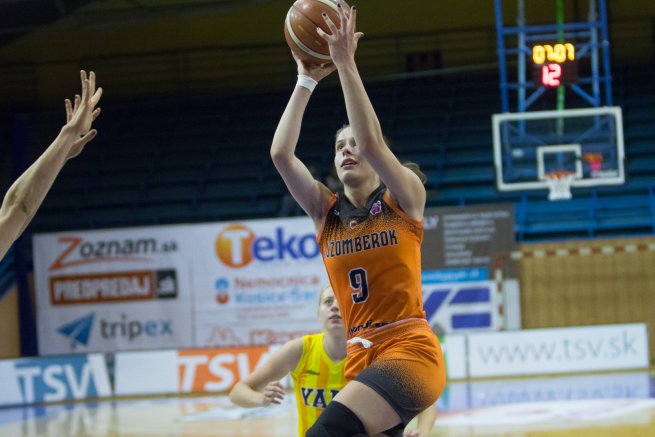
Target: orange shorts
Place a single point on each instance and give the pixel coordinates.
(403, 363)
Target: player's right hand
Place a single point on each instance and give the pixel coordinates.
(315, 71)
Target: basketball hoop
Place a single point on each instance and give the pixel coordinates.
(559, 184)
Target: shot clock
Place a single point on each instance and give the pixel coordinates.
(554, 65)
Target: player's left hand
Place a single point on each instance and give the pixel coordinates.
(273, 394)
(342, 41)
(82, 113)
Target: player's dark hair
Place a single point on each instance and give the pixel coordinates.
(410, 165)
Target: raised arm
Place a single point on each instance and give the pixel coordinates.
(310, 194)
(28, 191)
(404, 185)
(262, 387)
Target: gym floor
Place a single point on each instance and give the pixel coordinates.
(611, 404)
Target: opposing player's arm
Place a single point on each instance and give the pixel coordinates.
(404, 184)
(28, 191)
(262, 387)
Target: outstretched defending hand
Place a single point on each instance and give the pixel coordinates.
(82, 113)
(343, 40)
(273, 394)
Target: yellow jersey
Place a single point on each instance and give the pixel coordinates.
(316, 380)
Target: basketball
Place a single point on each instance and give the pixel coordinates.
(300, 25)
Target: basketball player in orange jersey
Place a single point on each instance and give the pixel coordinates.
(370, 236)
(28, 191)
(316, 363)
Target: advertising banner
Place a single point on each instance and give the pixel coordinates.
(462, 241)
(237, 283)
(217, 370)
(36, 380)
(462, 306)
(454, 352)
(460, 246)
(111, 290)
(256, 282)
(558, 350)
(186, 370)
(146, 372)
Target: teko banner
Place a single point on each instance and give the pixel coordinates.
(256, 282)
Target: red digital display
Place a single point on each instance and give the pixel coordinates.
(554, 65)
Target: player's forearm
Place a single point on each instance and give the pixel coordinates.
(28, 191)
(288, 129)
(244, 396)
(361, 114)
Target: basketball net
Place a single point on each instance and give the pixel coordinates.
(559, 184)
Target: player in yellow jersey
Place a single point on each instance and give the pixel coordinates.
(370, 238)
(316, 363)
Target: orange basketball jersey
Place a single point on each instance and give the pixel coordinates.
(373, 259)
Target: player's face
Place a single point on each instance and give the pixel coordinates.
(328, 312)
(350, 164)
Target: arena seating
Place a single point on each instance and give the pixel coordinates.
(206, 158)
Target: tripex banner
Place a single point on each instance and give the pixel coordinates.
(256, 282)
(102, 291)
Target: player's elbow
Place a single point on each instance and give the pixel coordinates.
(279, 155)
(16, 208)
(14, 218)
(281, 159)
(238, 394)
(234, 398)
